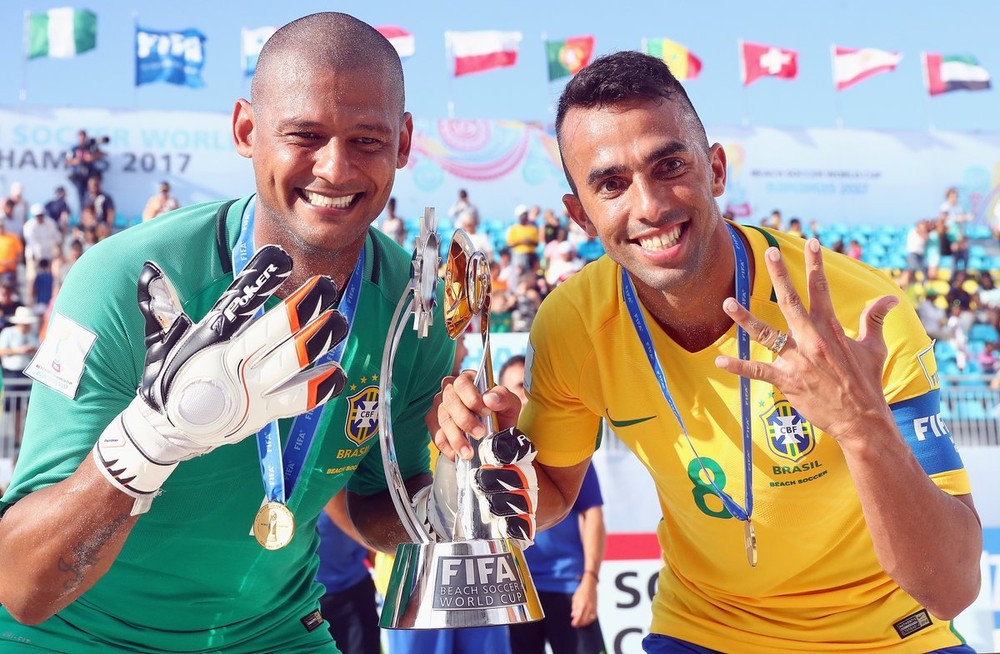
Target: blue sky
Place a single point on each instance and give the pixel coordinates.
(896, 101)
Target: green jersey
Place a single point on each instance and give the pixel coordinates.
(190, 577)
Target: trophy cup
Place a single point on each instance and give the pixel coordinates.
(474, 580)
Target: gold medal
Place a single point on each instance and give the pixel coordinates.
(274, 526)
(750, 540)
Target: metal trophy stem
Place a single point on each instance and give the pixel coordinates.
(474, 580)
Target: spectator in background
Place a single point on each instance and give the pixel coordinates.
(952, 212)
(916, 253)
(552, 227)
(9, 302)
(960, 252)
(84, 161)
(73, 254)
(795, 228)
(393, 224)
(563, 263)
(42, 242)
(988, 359)
(18, 343)
(11, 223)
(58, 209)
(96, 197)
(160, 203)
(349, 605)
(468, 221)
(932, 316)
(42, 286)
(774, 222)
(11, 248)
(462, 204)
(854, 250)
(20, 209)
(523, 239)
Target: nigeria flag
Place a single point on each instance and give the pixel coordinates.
(61, 33)
(944, 73)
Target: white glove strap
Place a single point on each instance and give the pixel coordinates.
(125, 465)
(430, 516)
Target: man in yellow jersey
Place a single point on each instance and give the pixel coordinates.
(785, 406)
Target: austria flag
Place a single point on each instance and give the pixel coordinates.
(400, 39)
(758, 61)
(475, 52)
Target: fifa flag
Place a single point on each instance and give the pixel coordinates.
(568, 56)
(944, 73)
(851, 65)
(252, 40)
(172, 57)
(476, 52)
(681, 62)
(400, 39)
(61, 33)
(757, 60)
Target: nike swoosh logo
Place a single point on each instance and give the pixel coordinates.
(626, 423)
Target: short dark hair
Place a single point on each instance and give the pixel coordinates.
(622, 77)
(517, 359)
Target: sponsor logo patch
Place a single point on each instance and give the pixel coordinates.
(362, 415)
(911, 624)
(928, 364)
(789, 435)
(60, 359)
(312, 621)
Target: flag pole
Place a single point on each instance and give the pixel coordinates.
(135, 58)
(743, 69)
(836, 92)
(927, 88)
(451, 78)
(23, 93)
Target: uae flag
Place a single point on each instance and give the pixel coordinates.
(851, 65)
(476, 52)
(568, 56)
(681, 62)
(61, 33)
(400, 39)
(757, 60)
(944, 73)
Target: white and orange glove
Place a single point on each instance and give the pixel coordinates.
(224, 378)
(504, 483)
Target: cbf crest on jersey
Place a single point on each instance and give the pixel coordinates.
(789, 435)
(362, 415)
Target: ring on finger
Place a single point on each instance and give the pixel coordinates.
(779, 343)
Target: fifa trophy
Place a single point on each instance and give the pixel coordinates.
(474, 580)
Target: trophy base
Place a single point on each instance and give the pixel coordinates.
(450, 585)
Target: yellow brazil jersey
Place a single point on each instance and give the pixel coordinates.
(818, 585)
(517, 233)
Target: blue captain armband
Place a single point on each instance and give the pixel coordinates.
(919, 421)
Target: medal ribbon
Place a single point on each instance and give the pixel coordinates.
(278, 487)
(742, 275)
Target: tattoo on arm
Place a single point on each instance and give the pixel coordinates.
(87, 553)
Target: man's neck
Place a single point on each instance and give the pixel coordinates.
(307, 262)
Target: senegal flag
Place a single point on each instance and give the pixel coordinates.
(568, 56)
(679, 59)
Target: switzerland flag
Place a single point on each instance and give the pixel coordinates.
(758, 61)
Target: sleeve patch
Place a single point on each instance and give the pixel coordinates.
(919, 421)
(60, 359)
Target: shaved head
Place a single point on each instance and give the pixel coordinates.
(330, 40)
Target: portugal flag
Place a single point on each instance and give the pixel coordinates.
(682, 63)
(568, 56)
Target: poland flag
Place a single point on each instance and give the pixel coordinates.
(400, 39)
(476, 52)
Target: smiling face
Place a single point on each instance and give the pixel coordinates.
(325, 142)
(646, 183)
